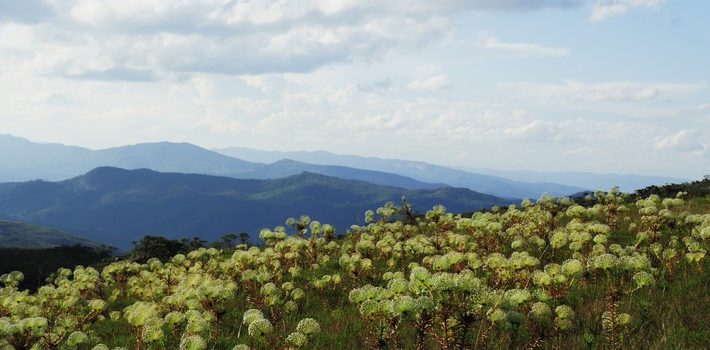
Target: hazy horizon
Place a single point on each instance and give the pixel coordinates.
(552, 85)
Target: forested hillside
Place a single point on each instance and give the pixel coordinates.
(115, 206)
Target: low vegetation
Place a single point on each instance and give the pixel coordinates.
(619, 273)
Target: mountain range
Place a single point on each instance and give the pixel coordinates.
(26, 160)
(116, 206)
(516, 184)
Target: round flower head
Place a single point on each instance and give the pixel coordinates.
(369, 307)
(564, 323)
(100, 347)
(575, 246)
(403, 305)
(606, 261)
(443, 281)
(173, 318)
(553, 269)
(418, 304)
(517, 296)
(77, 338)
(669, 253)
(572, 267)
(540, 311)
(398, 285)
(419, 274)
(297, 294)
(260, 327)
(564, 312)
(356, 296)
(252, 315)
(193, 342)
(241, 347)
(643, 279)
(97, 305)
(297, 339)
(496, 260)
(152, 333)
(600, 239)
(497, 316)
(308, 326)
(558, 239)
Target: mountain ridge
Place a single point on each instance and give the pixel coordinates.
(417, 170)
(14, 234)
(578, 180)
(69, 161)
(116, 206)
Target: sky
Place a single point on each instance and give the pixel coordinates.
(617, 86)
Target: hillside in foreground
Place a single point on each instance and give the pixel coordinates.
(621, 274)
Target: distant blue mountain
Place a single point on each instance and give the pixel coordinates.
(497, 182)
(25, 160)
(117, 206)
(421, 171)
(592, 181)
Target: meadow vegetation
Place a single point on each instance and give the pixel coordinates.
(616, 273)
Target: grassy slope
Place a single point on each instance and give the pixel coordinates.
(671, 316)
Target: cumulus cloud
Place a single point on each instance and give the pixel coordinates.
(603, 9)
(115, 74)
(434, 83)
(535, 130)
(520, 49)
(114, 39)
(683, 140)
(602, 92)
(376, 86)
(238, 37)
(248, 36)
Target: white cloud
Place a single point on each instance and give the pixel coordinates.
(535, 131)
(434, 83)
(238, 37)
(683, 140)
(603, 9)
(603, 92)
(96, 39)
(520, 49)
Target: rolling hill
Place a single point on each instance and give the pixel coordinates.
(117, 206)
(22, 235)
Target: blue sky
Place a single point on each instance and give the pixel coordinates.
(585, 85)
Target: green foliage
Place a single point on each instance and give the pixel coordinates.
(39, 264)
(162, 248)
(552, 274)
